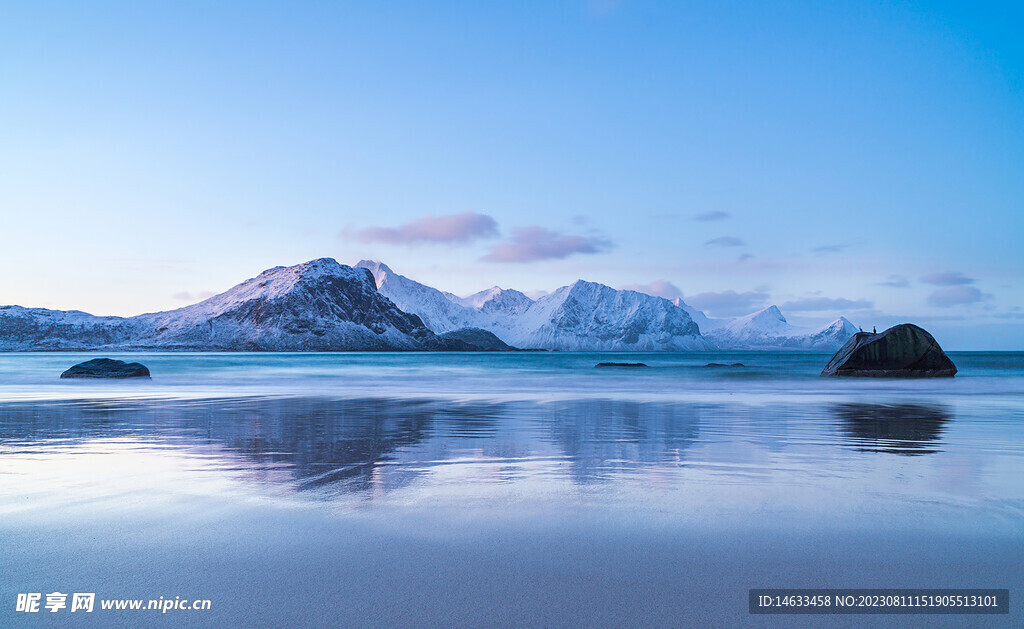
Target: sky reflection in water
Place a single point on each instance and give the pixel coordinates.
(511, 490)
(735, 459)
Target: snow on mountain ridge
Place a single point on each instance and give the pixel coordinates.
(768, 320)
(581, 316)
(323, 305)
(477, 300)
(378, 269)
(768, 329)
(318, 305)
(271, 284)
(438, 312)
(703, 322)
(498, 300)
(591, 316)
(25, 329)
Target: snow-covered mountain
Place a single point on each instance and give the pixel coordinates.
(438, 312)
(316, 306)
(590, 316)
(496, 301)
(768, 329)
(325, 306)
(704, 322)
(25, 329)
(581, 316)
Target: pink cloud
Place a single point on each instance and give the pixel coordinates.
(448, 228)
(529, 244)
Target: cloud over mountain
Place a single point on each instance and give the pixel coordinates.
(529, 244)
(448, 228)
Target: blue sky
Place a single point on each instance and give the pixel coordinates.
(855, 158)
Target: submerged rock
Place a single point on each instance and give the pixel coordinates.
(106, 368)
(620, 365)
(724, 365)
(903, 351)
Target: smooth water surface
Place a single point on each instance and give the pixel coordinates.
(513, 489)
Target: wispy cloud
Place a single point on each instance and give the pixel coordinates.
(950, 278)
(1013, 313)
(728, 303)
(815, 304)
(957, 295)
(895, 281)
(712, 216)
(529, 244)
(830, 249)
(725, 241)
(600, 8)
(446, 229)
(658, 288)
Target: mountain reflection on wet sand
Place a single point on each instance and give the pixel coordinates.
(571, 509)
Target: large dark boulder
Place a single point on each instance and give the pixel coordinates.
(902, 351)
(106, 368)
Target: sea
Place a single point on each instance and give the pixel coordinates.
(509, 489)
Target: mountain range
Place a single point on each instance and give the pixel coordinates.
(322, 305)
(316, 306)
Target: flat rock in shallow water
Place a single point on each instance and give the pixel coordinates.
(724, 365)
(106, 368)
(902, 351)
(620, 365)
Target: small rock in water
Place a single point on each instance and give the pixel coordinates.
(620, 365)
(724, 365)
(106, 368)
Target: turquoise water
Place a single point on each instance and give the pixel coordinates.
(494, 376)
(520, 489)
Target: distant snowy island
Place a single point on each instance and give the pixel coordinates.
(322, 305)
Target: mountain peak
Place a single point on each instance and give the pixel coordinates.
(770, 313)
(285, 277)
(317, 262)
(319, 267)
(497, 300)
(377, 269)
(842, 325)
(583, 286)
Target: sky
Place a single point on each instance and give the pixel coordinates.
(863, 159)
